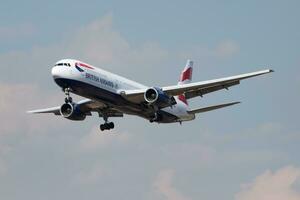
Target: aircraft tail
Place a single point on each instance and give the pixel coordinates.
(185, 77)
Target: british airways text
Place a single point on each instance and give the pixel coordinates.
(99, 80)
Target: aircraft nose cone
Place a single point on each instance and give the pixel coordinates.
(55, 72)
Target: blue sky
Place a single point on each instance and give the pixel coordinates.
(225, 154)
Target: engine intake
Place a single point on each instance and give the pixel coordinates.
(72, 112)
(157, 97)
(151, 95)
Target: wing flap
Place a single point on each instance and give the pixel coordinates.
(88, 105)
(203, 91)
(210, 108)
(111, 113)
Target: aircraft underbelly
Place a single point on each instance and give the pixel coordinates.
(112, 99)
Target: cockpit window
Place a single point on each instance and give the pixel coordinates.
(63, 64)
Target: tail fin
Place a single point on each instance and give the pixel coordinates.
(186, 77)
(186, 74)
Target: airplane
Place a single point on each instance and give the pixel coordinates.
(111, 95)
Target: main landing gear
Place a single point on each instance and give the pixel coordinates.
(157, 115)
(107, 125)
(155, 118)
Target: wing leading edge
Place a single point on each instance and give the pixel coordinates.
(54, 110)
(195, 89)
(86, 106)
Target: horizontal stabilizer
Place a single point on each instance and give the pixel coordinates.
(210, 108)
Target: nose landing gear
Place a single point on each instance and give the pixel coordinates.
(68, 99)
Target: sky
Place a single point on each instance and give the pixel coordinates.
(247, 151)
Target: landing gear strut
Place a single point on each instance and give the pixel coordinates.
(155, 118)
(107, 125)
(68, 99)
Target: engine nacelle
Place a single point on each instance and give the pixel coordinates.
(72, 112)
(158, 97)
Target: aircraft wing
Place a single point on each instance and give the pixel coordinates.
(54, 110)
(195, 89)
(86, 106)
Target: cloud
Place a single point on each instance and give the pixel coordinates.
(15, 100)
(97, 43)
(276, 185)
(194, 154)
(19, 31)
(100, 44)
(3, 168)
(95, 140)
(89, 176)
(4, 151)
(227, 49)
(164, 186)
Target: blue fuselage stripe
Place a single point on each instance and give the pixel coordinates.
(112, 99)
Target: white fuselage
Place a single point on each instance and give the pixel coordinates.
(75, 72)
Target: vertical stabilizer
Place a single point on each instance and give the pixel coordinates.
(186, 77)
(186, 74)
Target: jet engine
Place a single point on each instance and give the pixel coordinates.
(72, 112)
(155, 96)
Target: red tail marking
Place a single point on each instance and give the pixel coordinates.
(186, 75)
(182, 98)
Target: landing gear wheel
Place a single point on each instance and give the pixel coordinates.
(107, 126)
(111, 125)
(68, 99)
(102, 128)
